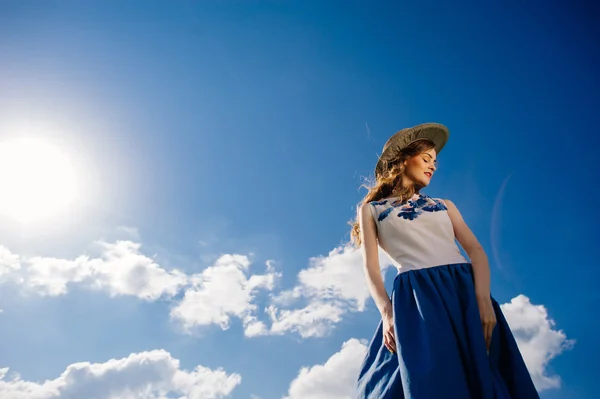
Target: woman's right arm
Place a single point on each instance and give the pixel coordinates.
(370, 252)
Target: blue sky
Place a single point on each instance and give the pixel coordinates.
(219, 149)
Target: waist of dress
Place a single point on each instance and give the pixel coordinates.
(404, 269)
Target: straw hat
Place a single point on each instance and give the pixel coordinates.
(435, 132)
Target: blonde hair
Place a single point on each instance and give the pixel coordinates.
(389, 182)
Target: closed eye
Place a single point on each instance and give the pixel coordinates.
(428, 158)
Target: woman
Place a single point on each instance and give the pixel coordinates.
(442, 335)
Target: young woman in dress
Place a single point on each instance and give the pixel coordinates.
(442, 335)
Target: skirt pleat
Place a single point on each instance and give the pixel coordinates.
(441, 347)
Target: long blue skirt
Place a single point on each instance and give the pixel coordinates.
(441, 347)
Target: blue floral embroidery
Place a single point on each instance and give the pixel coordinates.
(420, 202)
(384, 214)
(435, 207)
(411, 209)
(409, 213)
(379, 202)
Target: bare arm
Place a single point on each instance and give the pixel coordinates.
(479, 260)
(370, 251)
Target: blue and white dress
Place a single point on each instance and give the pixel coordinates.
(441, 351)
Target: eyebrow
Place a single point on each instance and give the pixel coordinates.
(434, 160)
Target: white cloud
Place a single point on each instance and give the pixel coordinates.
(121, 269)
(335, 379)
(538, 341)
(146, 375)
(222, 291)
(314, 320)
(254, 328)
(10, 265)
(333, 285)
(50, 276)
(339, 276)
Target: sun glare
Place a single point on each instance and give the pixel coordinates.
(36, 180)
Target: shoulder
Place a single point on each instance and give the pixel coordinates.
(453, 211)
(363, 207)
(372, 211)
(365, 210)
(448, 203)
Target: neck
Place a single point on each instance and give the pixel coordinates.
(407, 183)
(405, 193)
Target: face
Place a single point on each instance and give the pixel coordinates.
(420, 169)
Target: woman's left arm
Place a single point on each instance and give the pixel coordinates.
(481, 269)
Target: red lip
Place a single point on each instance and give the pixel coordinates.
(428, 174)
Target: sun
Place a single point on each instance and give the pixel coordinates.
(36, 180)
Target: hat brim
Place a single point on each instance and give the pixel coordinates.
(435, 132)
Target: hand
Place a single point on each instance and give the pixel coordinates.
(389, 338)
(488, 319)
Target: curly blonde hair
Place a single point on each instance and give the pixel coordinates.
(389, 182)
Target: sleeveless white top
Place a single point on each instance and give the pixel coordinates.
(416, 234)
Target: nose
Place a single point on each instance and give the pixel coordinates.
(433, 167)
